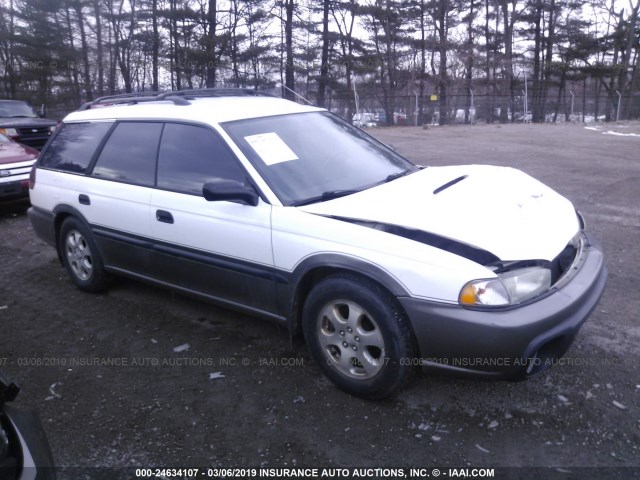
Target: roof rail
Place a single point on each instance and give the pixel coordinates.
(178, 97)
(217, 92)
(131, 98)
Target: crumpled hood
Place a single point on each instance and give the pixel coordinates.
(501, 210)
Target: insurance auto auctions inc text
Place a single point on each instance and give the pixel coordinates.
(375, 473)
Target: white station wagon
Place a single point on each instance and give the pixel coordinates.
(287, 212)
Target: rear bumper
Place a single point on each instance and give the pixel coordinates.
(512, 343)
(43, 223)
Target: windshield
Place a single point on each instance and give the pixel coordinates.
(307, 157)
(16, 109)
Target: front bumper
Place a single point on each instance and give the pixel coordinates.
(511, 343)
(29, 444)
(18, 189)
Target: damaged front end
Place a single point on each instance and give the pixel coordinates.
(24, 450)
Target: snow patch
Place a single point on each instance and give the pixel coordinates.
(610, 132)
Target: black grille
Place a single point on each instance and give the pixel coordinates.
(33, 136)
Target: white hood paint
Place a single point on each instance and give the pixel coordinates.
(498, 209)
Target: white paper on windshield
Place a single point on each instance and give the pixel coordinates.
(271, 148)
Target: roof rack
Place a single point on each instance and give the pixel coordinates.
(178, 97)
(217, 92)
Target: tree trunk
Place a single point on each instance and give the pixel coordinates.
(289, 75)
(487, 66)
(508, 20)
(631, 36)
(74, 67)
(468, 114)
(548, 59)
(442, 26)
(99, 46)
(211, 44)
(537, 115)
(155, 47)
(324, 62)
(88, 87)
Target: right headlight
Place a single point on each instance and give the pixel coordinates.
(509, 288)
(9, 132)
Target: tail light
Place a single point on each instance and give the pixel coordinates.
(32, 178)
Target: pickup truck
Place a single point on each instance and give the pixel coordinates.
(20, 122)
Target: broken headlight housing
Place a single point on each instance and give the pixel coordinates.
(508, 288)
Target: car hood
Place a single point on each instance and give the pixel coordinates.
(10, 122)
(16, 153)
(498, 209)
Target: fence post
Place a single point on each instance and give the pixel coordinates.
(571, 115)
(618, 108)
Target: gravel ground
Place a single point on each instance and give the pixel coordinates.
(241, 394)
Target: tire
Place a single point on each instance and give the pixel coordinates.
(81, 257)
(359, 335)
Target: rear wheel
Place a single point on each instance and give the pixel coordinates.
(359, 336)
(81, 257)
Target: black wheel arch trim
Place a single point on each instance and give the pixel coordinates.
(290, 294)
(65, 210)
(351, 263)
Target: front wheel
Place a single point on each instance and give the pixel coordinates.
(81, 257)
(359, 336)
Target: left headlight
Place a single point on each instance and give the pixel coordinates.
(509, 288)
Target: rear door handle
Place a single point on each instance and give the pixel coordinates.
(84, 199)
(164, 216)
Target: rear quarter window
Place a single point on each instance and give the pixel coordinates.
(74, 146)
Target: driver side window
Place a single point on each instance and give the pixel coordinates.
(191, 156)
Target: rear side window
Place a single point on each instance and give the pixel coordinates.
(74, 146)
(191, 156)
(130, 153)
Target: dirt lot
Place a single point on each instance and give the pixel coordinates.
(268, 404)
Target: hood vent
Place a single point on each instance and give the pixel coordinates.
(449, 184)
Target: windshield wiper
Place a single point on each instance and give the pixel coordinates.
(330, 195)
(393, 176)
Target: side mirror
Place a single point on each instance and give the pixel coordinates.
(230, 191)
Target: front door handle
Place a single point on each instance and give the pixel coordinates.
(164, 216)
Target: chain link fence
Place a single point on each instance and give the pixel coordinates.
(419, 110)
(471, 109)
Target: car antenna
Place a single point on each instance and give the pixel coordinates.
(294, 92)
